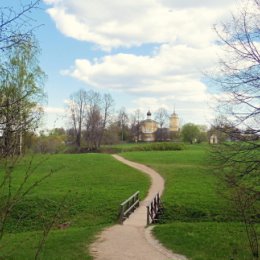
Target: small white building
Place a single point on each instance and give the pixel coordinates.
(213, 139)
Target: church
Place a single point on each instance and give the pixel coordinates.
(150, 131)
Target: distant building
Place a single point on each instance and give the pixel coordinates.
(174, 123)
(213, 139)
(148, 129)
(151, 132)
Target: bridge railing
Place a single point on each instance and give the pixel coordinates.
(154, 209)
(128, 206)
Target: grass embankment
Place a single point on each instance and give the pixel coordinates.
(197, 221)
(156, 146)
(97, 185)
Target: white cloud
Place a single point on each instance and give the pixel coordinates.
(188, 111)
(173, 69)
(172, 74)
(53, 110)
(111, 24)
(196, 4)
(53, 117)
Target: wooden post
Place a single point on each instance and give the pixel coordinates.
(153, 209)
(121, 215)
(148, 216)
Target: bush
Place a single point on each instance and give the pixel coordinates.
(162, 146)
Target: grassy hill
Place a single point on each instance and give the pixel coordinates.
(198, 221)
(94, 186)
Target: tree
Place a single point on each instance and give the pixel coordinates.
(238, 161)
(50, 142)
(15, 25)
(99, 111)
(135, 128)
(21, 91)
(202, 137)
(111, 134)
(93, 120)
(90, 113)
(107, 109)
(21, 81)
(122, 122)
(77, 111)
(161, 116)
(18, 73)
(239, 72)
(190, 133)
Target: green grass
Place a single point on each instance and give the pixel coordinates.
(197, 221)
(190, 186)
(131, 147)
(95, 183)
(61, 244)
(205, 240)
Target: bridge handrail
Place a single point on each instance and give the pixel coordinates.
(128, 206)
(153, 209)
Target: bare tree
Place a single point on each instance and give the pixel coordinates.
(99, 111)
(123, 121)
(77, 113)
(92, 123)
(90, 113)
(238, 161)
(107, 110)
(239, 71)
(16, 25)
(136, 119)
(161, 116)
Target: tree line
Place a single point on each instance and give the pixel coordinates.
(93, 122)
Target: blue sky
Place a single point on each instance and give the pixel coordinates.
(147, 54)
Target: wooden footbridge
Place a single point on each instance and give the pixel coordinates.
(154, 208)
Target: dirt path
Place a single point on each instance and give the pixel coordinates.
(132, 240)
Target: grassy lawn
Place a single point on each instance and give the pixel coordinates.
(205, 240)
(189, 183)
(95, 183)
(197, 220)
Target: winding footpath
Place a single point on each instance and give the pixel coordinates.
(133, 240)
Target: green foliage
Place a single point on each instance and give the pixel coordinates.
(21, 94)
(96, 183)
(237, 167)
(54, 142)
(202, 137)
(160, 146)
(190, 132)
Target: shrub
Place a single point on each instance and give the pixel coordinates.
(162, 146)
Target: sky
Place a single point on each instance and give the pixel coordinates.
(146, 53)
